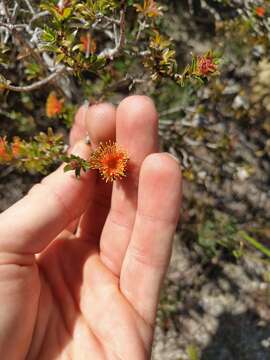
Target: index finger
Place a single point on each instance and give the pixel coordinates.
(29, 225)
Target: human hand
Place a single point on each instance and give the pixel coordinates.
(92, 290)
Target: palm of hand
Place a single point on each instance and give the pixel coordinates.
(83, 310)
(93, 292)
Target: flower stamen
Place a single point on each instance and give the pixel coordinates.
(111, 161)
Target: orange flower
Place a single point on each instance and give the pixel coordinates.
(205, 65)
(110, 160)
(53, 105)
(88, 44)
(260, 11)
(16, 147)
(4, 155)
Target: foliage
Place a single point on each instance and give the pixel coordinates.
(36, 155)
(219, 232)
(79, 38)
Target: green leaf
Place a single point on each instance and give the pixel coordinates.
(78, 172)
(255, 243)
(66, 13)
(49, 35)
(67, 168)
(59, 58)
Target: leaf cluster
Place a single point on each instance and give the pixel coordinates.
(37, 155)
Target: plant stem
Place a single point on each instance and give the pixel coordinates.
(256, 244)
(36, 85)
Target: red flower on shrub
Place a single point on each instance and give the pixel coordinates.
(260, 11)
(206, 65)
(54, 106)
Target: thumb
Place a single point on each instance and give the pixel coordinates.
(34, 221)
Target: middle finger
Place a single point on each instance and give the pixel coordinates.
(137, 133)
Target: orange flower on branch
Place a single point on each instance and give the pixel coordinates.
(111, 161)
(260, 11)
(89, 45)
(4, 155)
(16, 147)
(54, 106)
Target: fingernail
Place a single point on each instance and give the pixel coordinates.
(174, 157)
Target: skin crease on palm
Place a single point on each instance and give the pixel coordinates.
(82, 261)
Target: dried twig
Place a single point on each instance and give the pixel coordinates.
(38, 16)
(6, 11)
(30, 7)
(13, 29)
(119, 43)
(36, 85)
